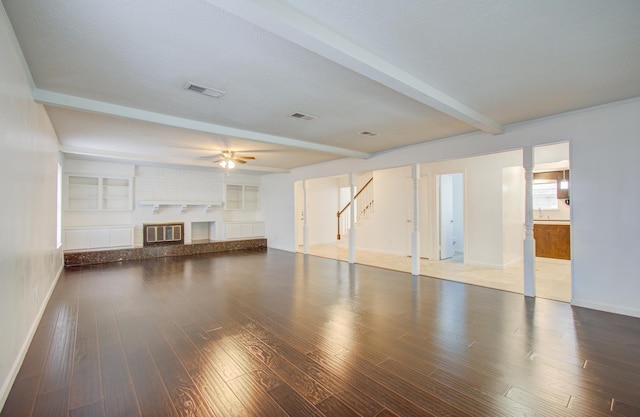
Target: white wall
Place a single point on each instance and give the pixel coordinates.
(605, 198)
(458, 212)
(483, 195)
(278, 210)
(387, 229)
(154, 183)
(513, 193)
(30, 261)
(322, 206)
(605, 142)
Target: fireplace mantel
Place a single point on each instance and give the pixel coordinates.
(181, 204)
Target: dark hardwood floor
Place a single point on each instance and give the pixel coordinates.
(280, 334)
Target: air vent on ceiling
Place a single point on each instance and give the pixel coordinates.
(304, 116)
(367, 133)
(207, 91)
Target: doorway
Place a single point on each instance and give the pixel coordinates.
(450, 216)
(552, 221)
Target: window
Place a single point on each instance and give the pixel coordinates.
(545, 195)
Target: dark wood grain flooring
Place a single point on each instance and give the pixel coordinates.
(272, 333)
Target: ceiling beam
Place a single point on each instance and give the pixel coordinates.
(132, 157)
(288, 23)
(78, 103)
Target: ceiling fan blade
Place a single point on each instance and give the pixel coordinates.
(211, 156)
(249, 158)
(240, 161)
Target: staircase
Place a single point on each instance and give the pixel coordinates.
(364, 208)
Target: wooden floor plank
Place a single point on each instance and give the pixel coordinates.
(293, 403)
(119, 396)
(332, 406)
(90, 410)
(53, 403)
(184, 393)
(22, 398)
(254, 398)
(86, 384)
(275, 333)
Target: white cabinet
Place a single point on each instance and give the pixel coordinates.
(98, 193)
(242, 197)
(244, 230)
(83, 238)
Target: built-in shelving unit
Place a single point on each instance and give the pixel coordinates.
(98, 193)
(242, 197)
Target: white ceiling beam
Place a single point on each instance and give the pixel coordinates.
(161, 160)
(78, 103)
(288, 23)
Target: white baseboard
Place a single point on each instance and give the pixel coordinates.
(515, 261)
(11, 378)
(380, 251)
(633, 312)
(483, 264)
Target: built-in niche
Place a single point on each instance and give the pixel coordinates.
(203, 232)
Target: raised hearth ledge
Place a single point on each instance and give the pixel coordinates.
(148, 252)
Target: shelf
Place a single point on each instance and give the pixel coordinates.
(98, 193)
(242, 197)
(182, 204)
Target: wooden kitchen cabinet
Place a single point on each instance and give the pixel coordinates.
(552, 240)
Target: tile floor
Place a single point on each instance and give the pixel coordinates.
(553, 276)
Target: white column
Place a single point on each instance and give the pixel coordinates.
(305, 225)
(529, 242)
(352, 219)
(415, 235)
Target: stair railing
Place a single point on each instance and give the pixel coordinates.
(363, 201)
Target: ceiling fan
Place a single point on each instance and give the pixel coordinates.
(229, 159)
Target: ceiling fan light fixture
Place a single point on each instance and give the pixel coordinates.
(227, 163)
(207, 91)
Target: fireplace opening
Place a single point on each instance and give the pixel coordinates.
(156, 234)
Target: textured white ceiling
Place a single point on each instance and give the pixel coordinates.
(508, 60)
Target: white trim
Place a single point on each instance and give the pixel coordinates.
(633, 312)
(79, 103)
(382, 252)
(511, 263)
(11, 378)
(298, 28)
(516, 125)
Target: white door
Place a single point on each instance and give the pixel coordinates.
(299, 213)
(446, 216)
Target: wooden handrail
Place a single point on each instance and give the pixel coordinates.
(349, 203)
(354, 197)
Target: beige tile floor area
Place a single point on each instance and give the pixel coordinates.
(553, 276)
